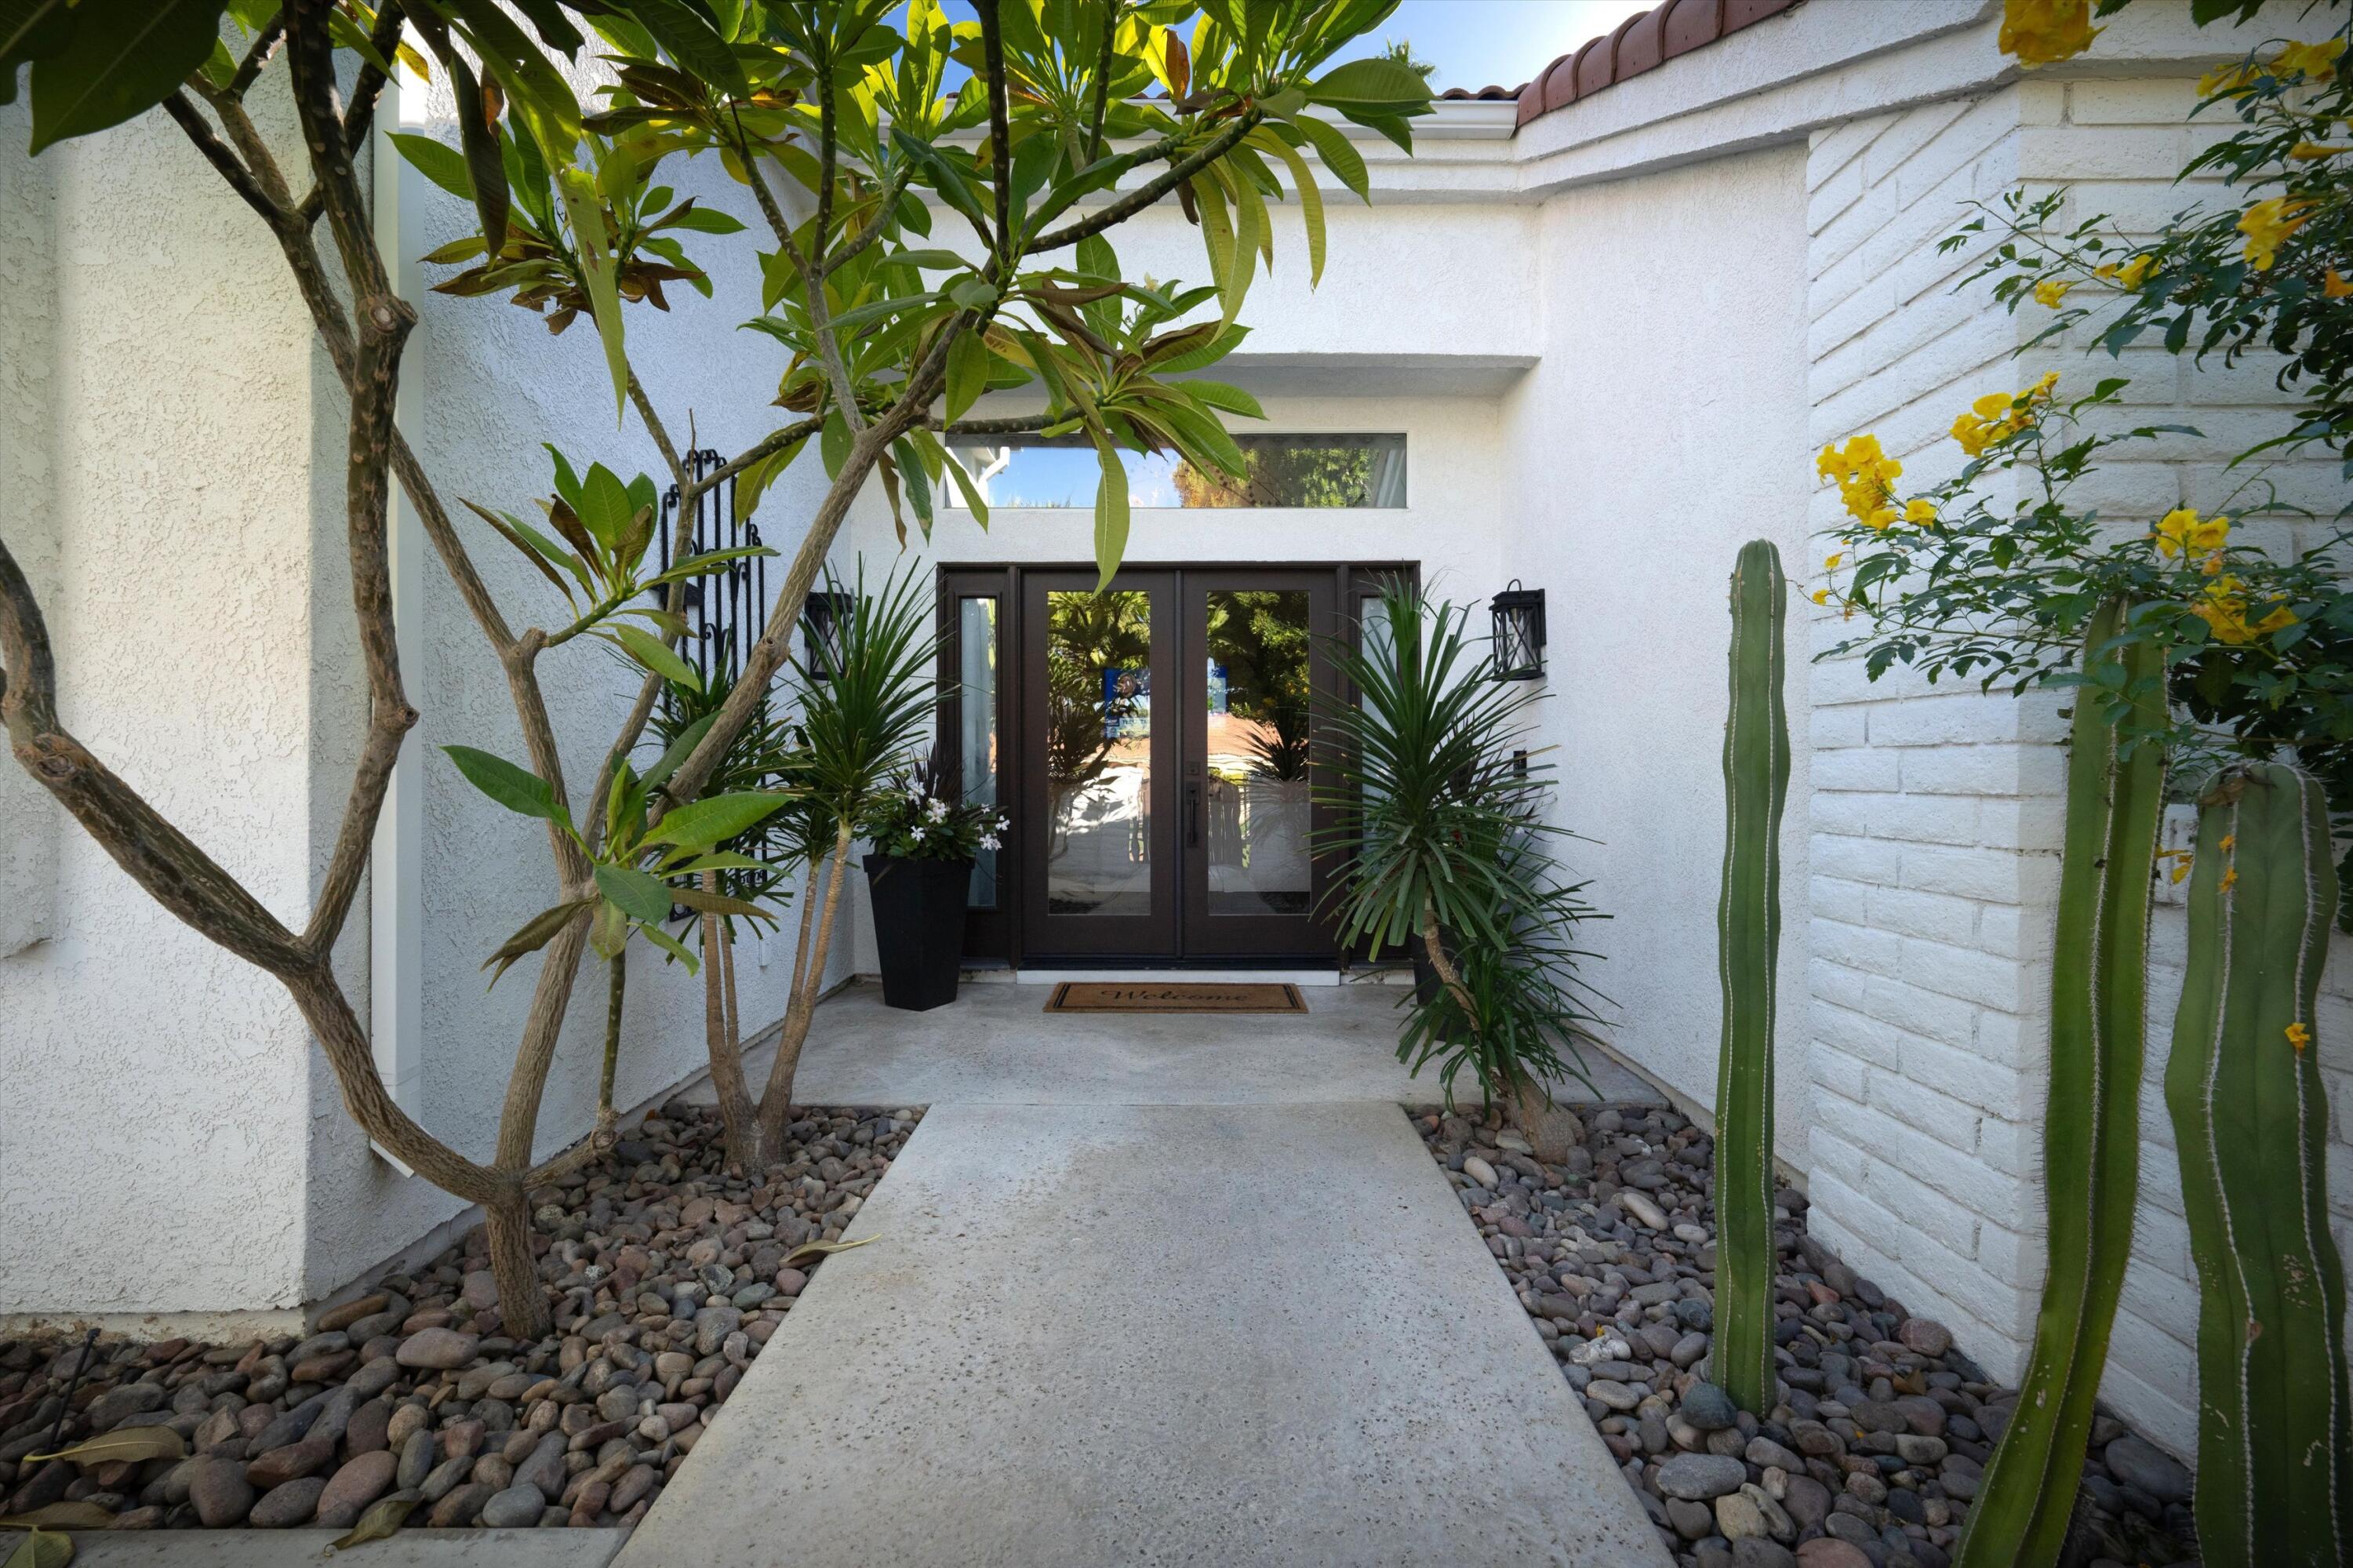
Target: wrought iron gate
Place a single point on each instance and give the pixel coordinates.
(727, 608)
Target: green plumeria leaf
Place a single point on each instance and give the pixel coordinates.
(518, 790)
(640, 897)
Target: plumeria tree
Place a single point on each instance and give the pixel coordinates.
(836, 120)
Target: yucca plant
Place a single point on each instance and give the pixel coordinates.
(758, 868)
(861, 720)
(1434, 800)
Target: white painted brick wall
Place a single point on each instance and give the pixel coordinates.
(1935, 812)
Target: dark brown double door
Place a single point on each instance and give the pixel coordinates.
(1154, 760)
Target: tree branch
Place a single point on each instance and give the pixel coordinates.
(383, 322)
(654, 427)
(1000, 134)
(774, 441)
(265, 44)
(155, 855)
(872, 231)
(828, 146)
(837, 374)
(216, 153)
(1102, 81)
(1119, 211)
(515, 655)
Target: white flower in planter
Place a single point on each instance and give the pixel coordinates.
(988, 840)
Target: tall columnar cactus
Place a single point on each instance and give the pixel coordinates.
(2251, 1117)
(1749, 942)
(2091, 1130)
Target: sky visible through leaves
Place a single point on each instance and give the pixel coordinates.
(1477, 43)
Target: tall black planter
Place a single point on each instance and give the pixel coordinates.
(918, 927)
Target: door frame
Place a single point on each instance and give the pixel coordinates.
(996, 936)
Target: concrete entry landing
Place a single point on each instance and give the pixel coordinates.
(994, 1044)
(1105, 1334)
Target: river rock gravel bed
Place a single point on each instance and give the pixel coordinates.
(665, 1274)
(1873, 1457)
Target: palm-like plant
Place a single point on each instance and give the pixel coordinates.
(760, 860)
(862, 718)
(1434, 806)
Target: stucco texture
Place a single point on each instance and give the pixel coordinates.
(152, 1115)
(1663, 427)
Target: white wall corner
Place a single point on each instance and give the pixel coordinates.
(395, 867)
(30, 822)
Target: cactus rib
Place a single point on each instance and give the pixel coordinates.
(2251, 1119)
(1748, 941)
(2091, 1127)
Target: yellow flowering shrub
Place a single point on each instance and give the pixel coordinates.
(1866, 477)
(2037, 32)
(1978, 558)
(2267, 222)
(1992, 575)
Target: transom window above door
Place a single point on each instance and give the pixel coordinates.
(1311, 470)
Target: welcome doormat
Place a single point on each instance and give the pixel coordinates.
(1174, 996)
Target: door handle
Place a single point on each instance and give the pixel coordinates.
(1192, 816)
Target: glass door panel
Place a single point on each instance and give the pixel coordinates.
(978, 715)
(1253, 666)
(1255, 751)
(1096, 833)
(1098, 752)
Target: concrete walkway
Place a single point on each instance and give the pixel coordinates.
(1153, 1333)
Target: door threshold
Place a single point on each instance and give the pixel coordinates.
(1143, 974)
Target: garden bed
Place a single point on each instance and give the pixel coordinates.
(1874, 1459)
(665, 1275)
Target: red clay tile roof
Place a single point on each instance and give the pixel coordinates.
(1641, 42)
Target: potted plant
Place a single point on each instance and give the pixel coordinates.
(919, 873)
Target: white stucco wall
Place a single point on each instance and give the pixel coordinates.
(152, 1110)
(29, 820)
(1663, 429)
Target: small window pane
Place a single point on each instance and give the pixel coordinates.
(1294, 471)
(977, 726)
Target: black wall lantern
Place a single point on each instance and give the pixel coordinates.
(821, 619)
(1519, 633)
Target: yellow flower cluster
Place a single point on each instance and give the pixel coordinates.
(2037, 32)
(2182, 531)
(1998, 416)
(1864, 476)
(2299, 1037)
(2223, 608)
(2335, 287)
(2050, 291)
(2267, 222)
(2126, 274)
(2313, 62)
(2226, 78)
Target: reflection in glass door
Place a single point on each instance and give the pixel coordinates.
(1152, 745)
(1099, 752)
(1094, 832)
(1253, 667)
